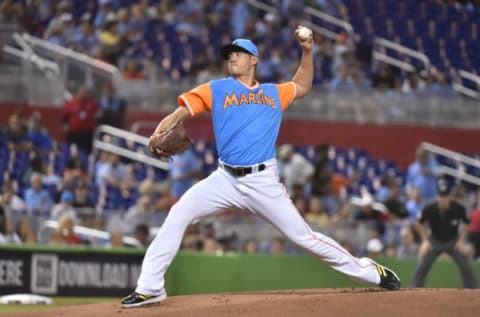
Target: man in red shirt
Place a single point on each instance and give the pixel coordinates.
(80, 115)
(474, 231)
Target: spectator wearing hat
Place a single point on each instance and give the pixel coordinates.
(64, 207)
(106, 7)
(444, 217)
(295, 170)
(60, 9)
(85, 39)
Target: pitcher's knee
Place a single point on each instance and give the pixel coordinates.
(181, 214)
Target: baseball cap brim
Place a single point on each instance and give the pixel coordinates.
(239, 45)
(227, 49)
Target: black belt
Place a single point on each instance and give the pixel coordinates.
(242, 171)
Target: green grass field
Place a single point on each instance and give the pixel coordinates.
(57, 301)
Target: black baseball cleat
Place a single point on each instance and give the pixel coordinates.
(136, 300)
(388, 279)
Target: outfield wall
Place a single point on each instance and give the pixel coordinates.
(81, 271)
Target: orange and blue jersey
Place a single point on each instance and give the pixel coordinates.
(246, 120)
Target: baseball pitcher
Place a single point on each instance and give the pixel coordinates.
(246, 119)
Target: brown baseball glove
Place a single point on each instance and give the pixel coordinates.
(169, 142)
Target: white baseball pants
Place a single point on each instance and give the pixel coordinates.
(260, 193)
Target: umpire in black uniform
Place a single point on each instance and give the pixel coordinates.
(444, 218)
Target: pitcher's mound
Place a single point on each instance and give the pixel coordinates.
(296, 303)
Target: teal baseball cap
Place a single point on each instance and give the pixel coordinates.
(239, 45)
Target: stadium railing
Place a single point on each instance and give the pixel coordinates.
(456, 164)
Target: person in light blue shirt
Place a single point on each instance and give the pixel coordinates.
(422, 175)
(37, 199)
(185, 169)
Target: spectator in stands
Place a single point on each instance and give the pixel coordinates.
(114, 172)
(240, 15)
(81, 198)
(440, 85)
(192, 240)
(116, 239)
(446, 219)
(138, 214)
(422, 175)
(74, 173)
(343, 54)
(65, 207)
(321, 178)
(184, 170)
(316, 215)
(367, 212)
(25, 231)
(294, 168)
(85, 38)
(277, 246)
(414, 204)
(383, 78)
(106, 8)
(16, 135)
(63, 7)
(37, 199)
(123, 17)
(408, 247)
(112, 107)
(38, 135)
(390, 195)
(57, 35)
(7, 234)
(13, 205)
(210, 243)
(335, 8)
(139, 18)
(250, 246)
(65, 233)
(80, 115)
(35, 165)
(474, 228)
(142, 234)
(132, 71)
(109, 36)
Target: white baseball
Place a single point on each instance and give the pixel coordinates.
(304, 33)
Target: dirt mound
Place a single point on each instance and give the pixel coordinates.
(317, 302)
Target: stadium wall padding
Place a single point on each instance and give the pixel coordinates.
(84, 271)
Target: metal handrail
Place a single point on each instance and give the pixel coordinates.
(401, 49)
(458, 157)
(41, 63)
(451, 154)
(263, 6)
(94, 233)
(459, 87)
(75, 56)
(133, 155)
(313, 12)
(330, 18)
(393, 61)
